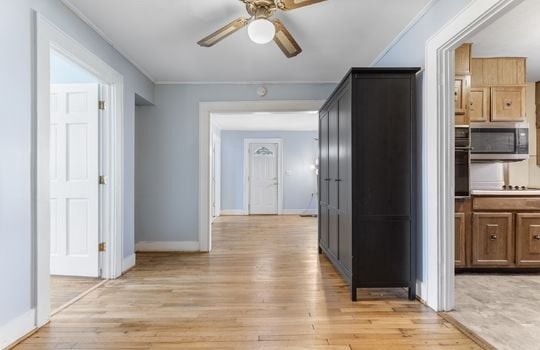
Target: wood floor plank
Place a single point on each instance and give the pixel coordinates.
(264, 286)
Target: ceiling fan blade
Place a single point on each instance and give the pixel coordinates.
(287, 5)
(285, 40)
(224, 32)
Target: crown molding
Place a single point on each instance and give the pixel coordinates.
(405, 30)
(96, 29)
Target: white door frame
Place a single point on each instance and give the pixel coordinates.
(48, 37)
(246, 187)
(205, 111)
(438, 149)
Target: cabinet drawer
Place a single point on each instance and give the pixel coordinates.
(507, 103)
(528, 240)
(506, 203)
(493, 239)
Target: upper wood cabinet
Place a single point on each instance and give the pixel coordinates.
(498, 71)
(507, 103)
(492, 239)
(479, 104)
(528, 239)
(463, 59)
(462, 85)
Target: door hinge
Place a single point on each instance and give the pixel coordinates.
(101, 105)
(102, 247)
(102, 180)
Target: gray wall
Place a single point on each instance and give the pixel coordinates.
(299, 181)
(168, 153)
(16, 62)
(410, 51)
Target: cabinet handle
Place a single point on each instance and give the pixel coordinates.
(493, 237)
(338, 180)
(536, 237)
(327, 179)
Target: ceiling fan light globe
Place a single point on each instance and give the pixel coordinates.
(261, 31)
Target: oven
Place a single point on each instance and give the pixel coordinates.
(462, 162)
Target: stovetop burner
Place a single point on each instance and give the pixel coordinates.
(514, 188)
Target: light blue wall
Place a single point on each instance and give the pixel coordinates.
(168, 153)
(63, 71)
(410, 49)
(299, 181)
(16, 61)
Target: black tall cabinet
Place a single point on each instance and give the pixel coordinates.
(367, 182)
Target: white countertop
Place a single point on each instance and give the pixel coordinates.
(505, 192)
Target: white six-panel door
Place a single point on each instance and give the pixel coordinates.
(263, 178)
(74, 171)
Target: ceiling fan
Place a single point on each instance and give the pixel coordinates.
(262, 28)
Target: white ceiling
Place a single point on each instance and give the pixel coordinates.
(297, 121)
(160, 37)
(517, 33)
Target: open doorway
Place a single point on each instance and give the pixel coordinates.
(497, 183)
(75, 133)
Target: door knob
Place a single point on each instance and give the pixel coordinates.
(493, 237)
(536, 237)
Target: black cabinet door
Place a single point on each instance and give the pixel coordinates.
(333, 192)
(323, 179)
(344, 183)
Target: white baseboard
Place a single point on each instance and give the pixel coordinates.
(163, 246)
(128, 262)
(17, 328)
(299, 211)
(232, 212)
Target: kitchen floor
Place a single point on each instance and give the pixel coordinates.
(504, 310)
(66, 288)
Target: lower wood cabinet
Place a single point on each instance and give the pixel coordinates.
(528, 239)
(492, 239)
(459, 256)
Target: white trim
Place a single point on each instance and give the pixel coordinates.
(48, 37)
(245, 178)
(232, 212)
(164, 246)
(17, 328)
(94, 27)
(405, 30)
(438, 146)
(299, 212)
(205, 111)
(129, 262)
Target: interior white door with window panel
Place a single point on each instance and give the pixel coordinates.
(74, 171)
(263, 178)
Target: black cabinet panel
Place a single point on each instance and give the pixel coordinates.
(367, 178)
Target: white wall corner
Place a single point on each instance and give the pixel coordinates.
(16, 329)
(128, 262)
(165, 246)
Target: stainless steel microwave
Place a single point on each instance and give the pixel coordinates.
(499, 141)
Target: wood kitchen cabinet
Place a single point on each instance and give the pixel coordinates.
(368, 178)
(459, 255)
(461, 98)
(498, 71)
(479, 104)
(463, 59)
(507, 103)
(528, 239)
(492, 239)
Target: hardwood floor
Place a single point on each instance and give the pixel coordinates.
(65, 288)
(264, 286)
(502, 309)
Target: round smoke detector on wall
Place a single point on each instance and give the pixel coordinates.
(261, 91)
